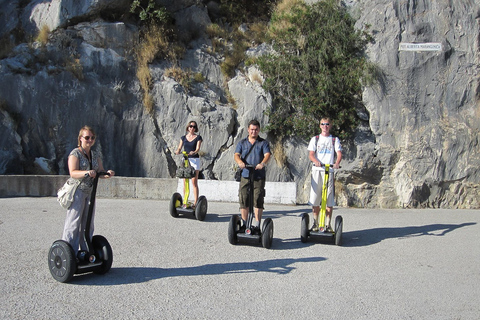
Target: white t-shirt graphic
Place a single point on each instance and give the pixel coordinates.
(325, 150)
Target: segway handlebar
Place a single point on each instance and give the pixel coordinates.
(322, 165)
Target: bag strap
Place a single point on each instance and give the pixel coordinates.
(253, 145)
(316, 142)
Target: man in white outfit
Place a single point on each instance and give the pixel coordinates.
(323, 149)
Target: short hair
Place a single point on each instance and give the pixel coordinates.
(189, 123)
(253, 122)
(80, 134)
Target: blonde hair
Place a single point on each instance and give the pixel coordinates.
(80, 134)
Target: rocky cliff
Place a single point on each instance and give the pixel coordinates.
(418, 144)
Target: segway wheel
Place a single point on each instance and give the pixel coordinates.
(304, 232)
(175, 202)
(233, 228)
(338, 230)
(104, 252)
(62, 261)
(201, 208)
(267, 233)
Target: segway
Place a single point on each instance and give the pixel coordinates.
(322, 234)
(238, 233)
(98, 258)
(179, 206)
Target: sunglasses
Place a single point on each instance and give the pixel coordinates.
(325, 124)
(88, 138)
(192, 126)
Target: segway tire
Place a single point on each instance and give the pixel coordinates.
(104, 252)
(62, 261)
(338, 230)
(233, 227)
(267, 233)
(201, 208)
(175, 202)
(304, 232)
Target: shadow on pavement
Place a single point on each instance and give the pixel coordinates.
(368, 237)
(120, 276)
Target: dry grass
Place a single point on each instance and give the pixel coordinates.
(258, 32)
(287, 5)
(153, 45)
(184, 77)
(43, 34)
(74, 66)
(283, 9)
(256, 76)
(215, 31)
(231, 100)
(279, 152)
(198, 77)
(219, 37)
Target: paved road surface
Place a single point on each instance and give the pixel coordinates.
(394, 264)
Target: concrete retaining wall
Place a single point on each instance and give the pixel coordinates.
(142, 188)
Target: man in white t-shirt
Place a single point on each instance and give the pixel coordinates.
(323, 149)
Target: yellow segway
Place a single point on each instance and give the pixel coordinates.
(183, 206)
(321, 233)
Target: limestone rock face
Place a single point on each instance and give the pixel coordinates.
(63, 13)
(417, 144)
(424, 111)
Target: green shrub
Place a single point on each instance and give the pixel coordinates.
(150, 12)
(317, 69)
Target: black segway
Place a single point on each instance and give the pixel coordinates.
(238, 233)
(321, 233)
(179, 206)
(98, 257)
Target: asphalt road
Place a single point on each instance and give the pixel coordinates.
(394, 264)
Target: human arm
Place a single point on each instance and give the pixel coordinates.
(180, 145)
(74, 169)
(312, 156)
(262, 164)
(337, 161)
(101, 169)
(239, 161)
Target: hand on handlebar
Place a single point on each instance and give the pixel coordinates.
(106, 174)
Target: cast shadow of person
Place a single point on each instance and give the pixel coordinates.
(368, 237)
(129, 275)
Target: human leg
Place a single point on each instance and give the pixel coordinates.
(83, 225)
(196, 164)
(315, 195)
(195, 187)
(72, 227)
(259, 197)
(243, 198)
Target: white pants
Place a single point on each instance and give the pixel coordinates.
(317, 185)
(76, 220)
(196, 163)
